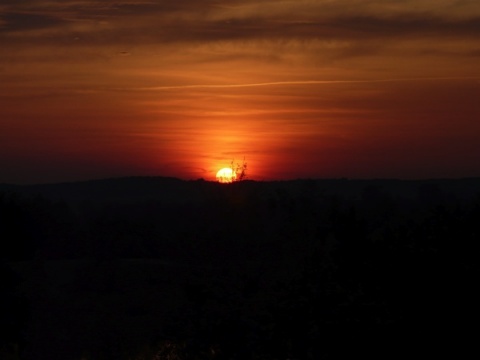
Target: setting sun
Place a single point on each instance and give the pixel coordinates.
(226, 175)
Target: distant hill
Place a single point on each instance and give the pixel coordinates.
(162, 265)
(8, 187)
(117, 189)
(173, 190)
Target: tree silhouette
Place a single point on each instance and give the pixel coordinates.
(240, 171)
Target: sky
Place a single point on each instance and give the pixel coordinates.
(299, 88)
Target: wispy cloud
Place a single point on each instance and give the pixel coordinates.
(210, 21)
(301, 82)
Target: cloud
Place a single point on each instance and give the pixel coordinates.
(18, 21)
(175, 43)
(210, 21)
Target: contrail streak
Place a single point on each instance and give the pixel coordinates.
(301, 82)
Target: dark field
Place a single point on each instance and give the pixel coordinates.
(159, 268)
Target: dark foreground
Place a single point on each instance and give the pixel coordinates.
(155, 268)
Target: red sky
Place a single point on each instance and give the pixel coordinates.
(318, 89)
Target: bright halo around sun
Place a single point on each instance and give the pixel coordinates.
(226, 175)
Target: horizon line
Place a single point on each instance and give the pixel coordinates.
(245, 180)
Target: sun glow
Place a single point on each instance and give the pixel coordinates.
(226, 175)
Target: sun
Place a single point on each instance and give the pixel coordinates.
(226, 175)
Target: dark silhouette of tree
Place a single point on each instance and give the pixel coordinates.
(240, 171)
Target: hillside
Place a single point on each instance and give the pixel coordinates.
(143, 267)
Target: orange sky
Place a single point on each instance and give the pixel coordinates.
(318, 89)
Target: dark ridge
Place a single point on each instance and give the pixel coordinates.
(155, 187)
(151, 267)
(8, 187)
